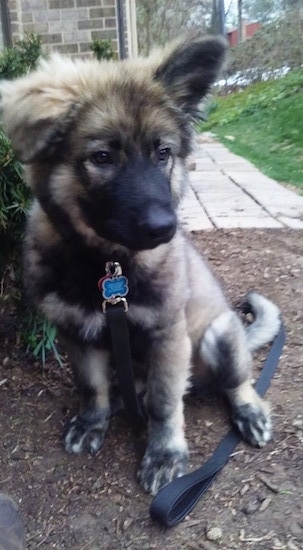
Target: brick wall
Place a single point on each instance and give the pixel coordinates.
(68, 26)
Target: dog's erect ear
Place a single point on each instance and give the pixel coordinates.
(190, 68)
(37, 108)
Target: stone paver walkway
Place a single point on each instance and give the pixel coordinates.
(227, 191)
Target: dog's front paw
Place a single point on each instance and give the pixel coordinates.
(86, 432)
(253, 421)
(160, 467)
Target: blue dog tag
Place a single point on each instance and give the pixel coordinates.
(113, 287)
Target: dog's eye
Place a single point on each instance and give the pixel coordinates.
(163, 154)
(102, 157)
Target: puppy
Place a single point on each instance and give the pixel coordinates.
(105, 146)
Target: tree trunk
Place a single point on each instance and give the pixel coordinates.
(240, 22)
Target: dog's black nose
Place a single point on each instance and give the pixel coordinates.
(157, 228)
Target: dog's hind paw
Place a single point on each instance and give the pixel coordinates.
(159, 468)
(253, 422)
(86, 432)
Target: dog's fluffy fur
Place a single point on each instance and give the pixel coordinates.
(106, 146)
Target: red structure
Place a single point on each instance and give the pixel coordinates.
(248, 30)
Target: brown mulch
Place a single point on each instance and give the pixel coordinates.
(83, 502)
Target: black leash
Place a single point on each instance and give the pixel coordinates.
(178, 498)
(114, 289)
(117, 323)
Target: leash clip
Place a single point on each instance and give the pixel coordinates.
(113, 302)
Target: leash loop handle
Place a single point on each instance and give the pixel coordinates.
(178, 498)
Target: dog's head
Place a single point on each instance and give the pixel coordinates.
(106, 142)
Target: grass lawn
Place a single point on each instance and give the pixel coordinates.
(264, 123)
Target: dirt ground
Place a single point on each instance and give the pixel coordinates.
(89, 503)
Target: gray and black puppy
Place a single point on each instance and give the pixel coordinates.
(105, 146)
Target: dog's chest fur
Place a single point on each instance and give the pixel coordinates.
(74, 272)
(71, 271)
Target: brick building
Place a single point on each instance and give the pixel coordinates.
(69, 26)
(248, 30)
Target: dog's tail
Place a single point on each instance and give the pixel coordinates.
(266, 323)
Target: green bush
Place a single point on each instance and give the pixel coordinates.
(14, 202)
(14, 195)
(102, 49)
(21, 58)
(37, 333)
